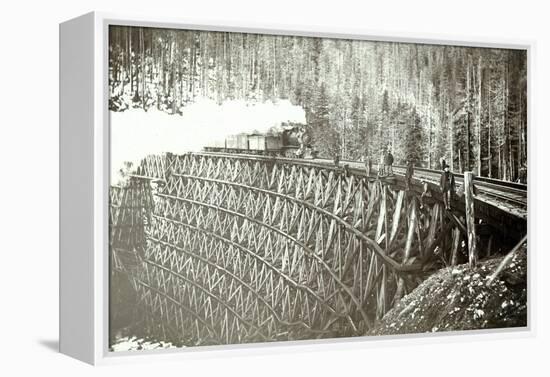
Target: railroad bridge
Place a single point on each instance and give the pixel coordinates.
(222, 248)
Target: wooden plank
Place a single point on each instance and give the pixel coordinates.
(430, 247)
(489, 245)
(381, 214)
(470, 218)
(397, 215)
(433, 224)
(454, 250)
(507, 259)
(383, 288)
(413, 219)
(381, 295)
(458, 223)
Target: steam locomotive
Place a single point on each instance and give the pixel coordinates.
(291, 142)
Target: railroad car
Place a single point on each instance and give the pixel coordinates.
(237, 143)
(285, 143)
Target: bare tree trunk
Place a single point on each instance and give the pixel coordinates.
(275, 64)
(479, 80)
(519, 131)
(467, 157)
(204, 63)
(430, 130)
(505, 156)
(173, 81)
(489, 154)
(500, 174)
(130, 68)
(468, 111)
(451, 138)
(142, 66)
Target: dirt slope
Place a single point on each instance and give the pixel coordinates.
(457, 298)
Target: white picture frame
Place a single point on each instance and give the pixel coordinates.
(84, 182)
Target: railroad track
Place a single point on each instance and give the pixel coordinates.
(493, 190)
(503, 191)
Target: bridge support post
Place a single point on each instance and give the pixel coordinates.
(470, 217)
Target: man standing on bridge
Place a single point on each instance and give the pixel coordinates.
(447, 184)
(381, 163)
(388, 162)
(337, 160)
(442, 163)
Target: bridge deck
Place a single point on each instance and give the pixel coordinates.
(508, 197)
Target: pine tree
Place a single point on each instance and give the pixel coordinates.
(325, 137)
(413, 138)
(359, 140)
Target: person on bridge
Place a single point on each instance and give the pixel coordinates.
(346, 170)
(442, 163)
(409, 173)
(447, 184)
(337, 160)
(381, 171)
(388, 162)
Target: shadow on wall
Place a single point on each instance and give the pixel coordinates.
(50, 344)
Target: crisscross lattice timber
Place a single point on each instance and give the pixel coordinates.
(233, 249)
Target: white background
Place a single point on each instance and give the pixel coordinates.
(29, 186)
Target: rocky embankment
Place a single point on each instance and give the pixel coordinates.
(458, 298)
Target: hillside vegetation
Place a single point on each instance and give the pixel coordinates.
(458, 298)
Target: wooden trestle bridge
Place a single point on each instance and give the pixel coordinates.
(224, 249)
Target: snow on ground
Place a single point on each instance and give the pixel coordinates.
(136, 133)
(133, 344)
(461, 298)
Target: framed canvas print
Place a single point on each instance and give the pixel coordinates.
(225, 187)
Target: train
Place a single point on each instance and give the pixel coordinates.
(290, 142)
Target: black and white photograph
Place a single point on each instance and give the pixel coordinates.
(271, 188)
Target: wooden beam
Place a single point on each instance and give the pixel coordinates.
(507, 259)
(470, 218)
(396, 215)
(431, 245)
(489, 245)
(458, 223)
(454, 250)
(412, 221)
(381, 214)
(433, 224)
